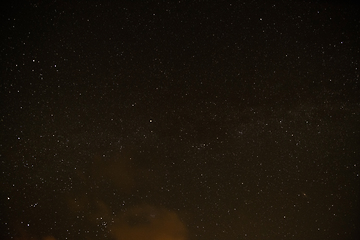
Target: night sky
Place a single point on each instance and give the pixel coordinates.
(180, 120)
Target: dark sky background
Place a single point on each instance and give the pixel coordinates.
(180, 120)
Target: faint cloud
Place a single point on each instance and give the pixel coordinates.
(148, 222)
(117, 170)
